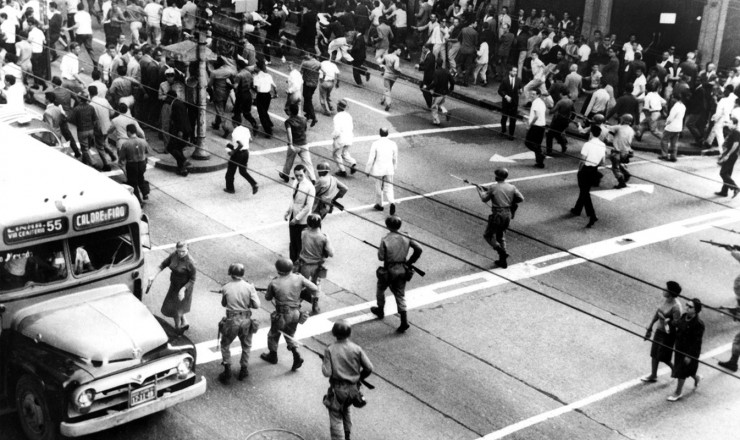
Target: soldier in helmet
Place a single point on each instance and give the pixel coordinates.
(316, 248)
(286, 289)
(238, 297)
(345, 364)
(328, 190)
(393, 251)
(504, 198)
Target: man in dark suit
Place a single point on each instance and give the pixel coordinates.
(509, 89)
(427, 66)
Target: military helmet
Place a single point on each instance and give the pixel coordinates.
(627, 119)
(314, 221)
(236, 270)
(501, 173)
(393, 222)
(341, 330)
(323, 166)
(283, 265)
(599, 119)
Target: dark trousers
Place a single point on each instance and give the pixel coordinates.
(508, 113)
(295, 241)
(38, 65)
(175, 147)
(85, 41)
(135, 178)
(67, 135)
(357, 71)
(725, 172)
(262, 101)
(533, 141)
(170, 35)
(243, 107)
(308, 109)
(238, 160)
(557, 127)
(587, 176)
(466, 65)
(87, 141)
(695, 123)
(70, 23)
(427, 97)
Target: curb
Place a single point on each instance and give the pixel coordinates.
(207, 167)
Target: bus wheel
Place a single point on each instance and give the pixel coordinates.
(33, 410)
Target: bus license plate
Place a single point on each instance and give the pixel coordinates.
(142, 395)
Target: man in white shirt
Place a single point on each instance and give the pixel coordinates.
(70, 69)
(539, 73)
(381, 165)
(651, 108)
(328, 77)
(106, 61)
(37, 40)
(7, 28)
(239, 152)
(14, 94)
(721, 117)
(673, 128)
(343, 136)
(153, 11)
(171, 25)
(599, 103)
(537, 121)
(593, 154)
(295, 89)
(639, 85)
(83, 30)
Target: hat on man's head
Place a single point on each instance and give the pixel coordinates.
(673, 288)
(169, 71)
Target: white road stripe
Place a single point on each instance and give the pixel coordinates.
(376, 137)
(277, 72)
(369, 107)
(434, 293)
(516, 427)
(363, 207)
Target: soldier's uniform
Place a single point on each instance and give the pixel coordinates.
(286, 289)
(238, 298)
(315, 249)
(393, 250)
(504, 198)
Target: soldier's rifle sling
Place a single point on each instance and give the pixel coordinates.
(414, 268)
(321, 356)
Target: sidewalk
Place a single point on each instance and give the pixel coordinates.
(488, 98)
(213, 143)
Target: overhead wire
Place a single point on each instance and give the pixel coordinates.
(474, 265)
(477, 216)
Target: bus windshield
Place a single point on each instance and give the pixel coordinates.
(26, 266)
(101, 250)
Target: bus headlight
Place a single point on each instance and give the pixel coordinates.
(184, 368)
(84, 400)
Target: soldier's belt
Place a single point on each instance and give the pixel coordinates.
(286, 309)
(233, 313)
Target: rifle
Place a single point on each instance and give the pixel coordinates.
(414, 268)
(258, 289)
(321, 356)
(727, 230)
(477, 185)
(729, 247)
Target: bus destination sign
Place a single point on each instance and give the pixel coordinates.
(100, 217)
(35, 230)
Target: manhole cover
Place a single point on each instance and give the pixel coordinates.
(274, 434)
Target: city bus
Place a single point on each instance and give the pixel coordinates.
(79, 351)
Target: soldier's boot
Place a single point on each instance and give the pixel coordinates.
(297, 360)
(243, 373)
(270, 357)
(404, 323)
(377, 311)
(315, 309)
(225, 377)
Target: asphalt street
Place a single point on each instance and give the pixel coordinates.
(549, 348)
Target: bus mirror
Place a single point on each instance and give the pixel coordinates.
(146, 242)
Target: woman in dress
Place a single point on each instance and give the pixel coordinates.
(689, 334)
(180, 294)
(664, 338)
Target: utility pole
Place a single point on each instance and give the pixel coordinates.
(201, 153)
(47, 50)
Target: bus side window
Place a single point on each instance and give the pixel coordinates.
(39, 264)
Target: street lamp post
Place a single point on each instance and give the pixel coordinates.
(201, 152)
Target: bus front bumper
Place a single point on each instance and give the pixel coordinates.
(119, 418)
